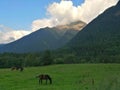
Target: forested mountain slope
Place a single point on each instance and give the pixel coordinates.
(100, 39)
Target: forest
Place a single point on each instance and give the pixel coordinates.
(56, 57)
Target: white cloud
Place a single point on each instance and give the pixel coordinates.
(41, 23)
(8, 35)
(92, 8)
(65, 12)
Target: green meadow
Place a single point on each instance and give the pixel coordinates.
(64, 77)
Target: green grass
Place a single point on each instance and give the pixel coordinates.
(65, 77)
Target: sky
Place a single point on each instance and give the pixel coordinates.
(20, 13)
(21, 17)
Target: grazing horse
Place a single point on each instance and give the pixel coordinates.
(44, 77)
(17, 68)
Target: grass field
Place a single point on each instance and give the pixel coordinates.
(65, 77)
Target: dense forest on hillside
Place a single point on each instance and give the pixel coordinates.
(60, 57)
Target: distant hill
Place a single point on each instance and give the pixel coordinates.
(44, 39)
(100, 38)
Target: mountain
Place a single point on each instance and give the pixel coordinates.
(70, 31)
(43, 39)
(1, 45)
(100, 38)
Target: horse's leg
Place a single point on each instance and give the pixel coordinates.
(46, 81)
(39, 81)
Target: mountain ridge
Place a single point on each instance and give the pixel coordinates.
(40, 40)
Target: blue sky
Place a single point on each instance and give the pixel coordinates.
(19, 14)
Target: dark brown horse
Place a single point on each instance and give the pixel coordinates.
(17, 68)
(44, 77)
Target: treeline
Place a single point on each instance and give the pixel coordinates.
(36, 59)
(25, 60)
(59, 57)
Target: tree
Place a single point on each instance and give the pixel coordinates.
(47, 58)
(69, 59)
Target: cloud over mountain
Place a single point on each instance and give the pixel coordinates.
(8, 35)
(65, 12)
